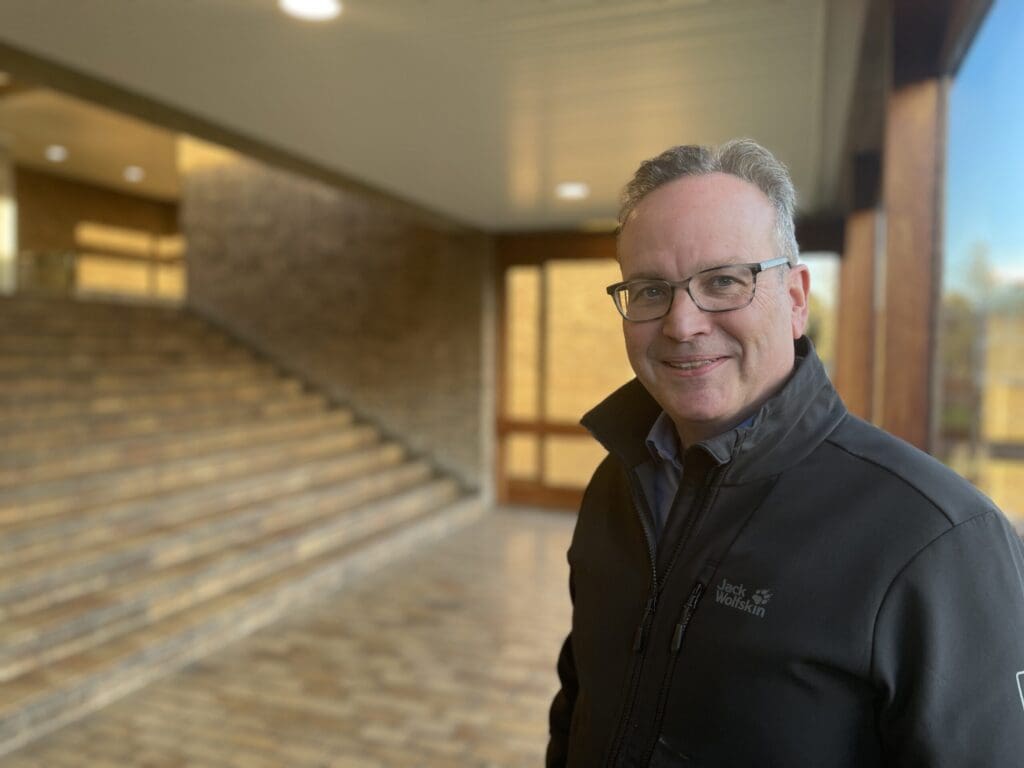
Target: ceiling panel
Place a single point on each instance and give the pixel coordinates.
(477, 108)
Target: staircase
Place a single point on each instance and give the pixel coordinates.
(164, 492)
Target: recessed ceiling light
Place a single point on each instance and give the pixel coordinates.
(134, 174)
(311, 10)
(56, 153)
(572, 190)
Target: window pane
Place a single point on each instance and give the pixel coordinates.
(586, 357)
(170, 281)
(522, 457)
(980, 402)
(522, 335)
(97, 274)
(824, 304)
(570, 461)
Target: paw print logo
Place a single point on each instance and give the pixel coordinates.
(761, 597)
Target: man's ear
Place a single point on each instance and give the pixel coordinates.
(799, 284)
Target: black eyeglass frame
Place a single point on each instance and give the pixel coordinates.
(755, 268)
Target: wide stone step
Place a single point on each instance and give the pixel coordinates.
(37, 500)
(42, 570)
(29, 387)
(47, 315)
(53, 695)
(33, 412)
(147, 361)
(60, 464)
(37, 438)
(50, 346)
(148, 576)
(34, 539)
(184, 326)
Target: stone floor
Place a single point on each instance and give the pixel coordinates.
(446, 659)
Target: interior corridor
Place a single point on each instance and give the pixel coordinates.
(447, 658)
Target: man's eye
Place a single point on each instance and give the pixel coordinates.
(648, 293)
(723, 281)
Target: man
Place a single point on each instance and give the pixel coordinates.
(758, 577)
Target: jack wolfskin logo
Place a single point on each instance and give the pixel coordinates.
(735, 596)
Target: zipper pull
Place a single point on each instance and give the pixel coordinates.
(638, 638)
(691, 606)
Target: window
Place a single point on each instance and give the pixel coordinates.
(980, 419)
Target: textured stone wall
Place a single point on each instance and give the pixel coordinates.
(383, 308)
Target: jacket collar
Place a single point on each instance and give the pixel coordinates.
(783, 432)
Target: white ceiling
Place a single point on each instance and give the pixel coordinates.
(478, 108)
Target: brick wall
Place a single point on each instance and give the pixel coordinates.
(385, 309)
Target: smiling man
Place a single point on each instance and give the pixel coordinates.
(760, 578)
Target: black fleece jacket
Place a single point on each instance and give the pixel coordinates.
(823, 596)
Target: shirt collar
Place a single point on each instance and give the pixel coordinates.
(663, 440)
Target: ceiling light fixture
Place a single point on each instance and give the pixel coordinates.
(134, 174)
(572, 190)
(311, 10)
(56, 153)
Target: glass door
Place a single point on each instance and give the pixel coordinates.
(561, 353)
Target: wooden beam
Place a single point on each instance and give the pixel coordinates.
(855, 332)
(867, 180)
(820, 234)
(537, 247)
(919, 32)
(913, 177)
(931, 37)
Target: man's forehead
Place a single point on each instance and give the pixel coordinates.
(710, 192)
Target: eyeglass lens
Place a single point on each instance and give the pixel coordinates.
(716, 290)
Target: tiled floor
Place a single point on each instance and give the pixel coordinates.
(446, 659)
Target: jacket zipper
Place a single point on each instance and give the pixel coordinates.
(641, 630)
(648, 617)
(692, 601)
(699, 588)
(691, 606)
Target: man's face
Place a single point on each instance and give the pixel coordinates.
(710, 371)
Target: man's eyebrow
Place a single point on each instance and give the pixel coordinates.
(644, 276)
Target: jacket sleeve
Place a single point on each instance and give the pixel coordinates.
(948, 653)
(564, 703)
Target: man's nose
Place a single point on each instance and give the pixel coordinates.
(684, 319)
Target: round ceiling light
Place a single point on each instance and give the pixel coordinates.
(56, 153)
(134, 174)
(311, 10)
(572, 190)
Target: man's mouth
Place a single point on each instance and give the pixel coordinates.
(693, 364)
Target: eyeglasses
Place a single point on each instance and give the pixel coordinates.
(718, 289)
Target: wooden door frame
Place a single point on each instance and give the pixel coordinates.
(535, 249)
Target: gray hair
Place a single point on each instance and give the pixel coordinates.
(743, 158)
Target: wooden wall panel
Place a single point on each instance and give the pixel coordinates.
(50, 206)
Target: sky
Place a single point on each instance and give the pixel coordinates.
(985, 171)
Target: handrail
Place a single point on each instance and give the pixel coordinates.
(65, 277)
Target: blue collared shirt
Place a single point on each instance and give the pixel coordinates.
(660, 477)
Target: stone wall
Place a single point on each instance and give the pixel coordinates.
(387, 310)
